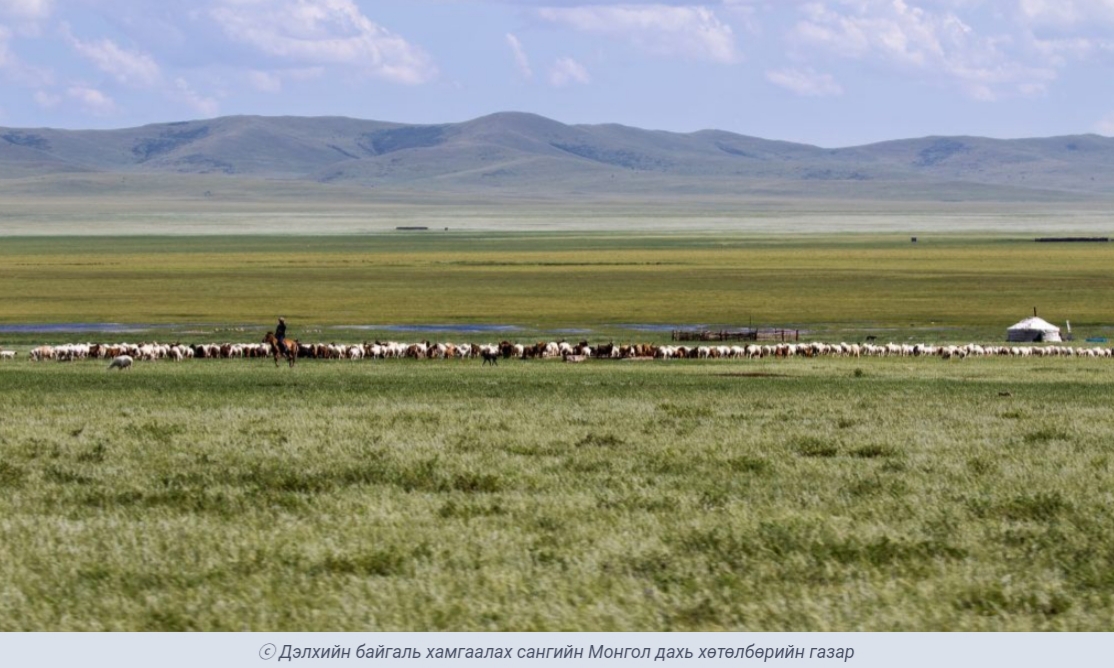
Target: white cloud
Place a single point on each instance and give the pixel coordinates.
(805, 82)
(182, 92)
(26, 15)
(15, 70)
(305, 73)
(47, 100)
(1105, 126)
(26, 9)
(131, 68)
(272, 81)
(92, 100)
(745, 14)
(688, 32)
(1065, 30)
(1066, 13)
(897, 35)
(1060, 49)
(265, 82)
(520, 59)
(322, 33)
(567, 71)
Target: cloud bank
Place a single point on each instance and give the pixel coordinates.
(689, 32)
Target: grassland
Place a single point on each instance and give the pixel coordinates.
(943, 287)
(108, 204)
(823, 494)
(827, 495)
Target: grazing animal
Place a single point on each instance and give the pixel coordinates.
(121, 362)
(7, 354)
(290, 351)
(490, 355)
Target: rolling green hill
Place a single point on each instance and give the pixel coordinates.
(524, 154)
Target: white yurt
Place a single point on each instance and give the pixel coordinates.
(1034, 329)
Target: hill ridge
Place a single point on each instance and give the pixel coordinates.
(528, 153)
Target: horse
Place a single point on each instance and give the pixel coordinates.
(291, 352)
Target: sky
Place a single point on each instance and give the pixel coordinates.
(827, 72)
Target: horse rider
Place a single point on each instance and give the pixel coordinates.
(280, 335)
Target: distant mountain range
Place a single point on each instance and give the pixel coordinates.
(529, 154)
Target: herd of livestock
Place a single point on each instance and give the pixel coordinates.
(570, 352)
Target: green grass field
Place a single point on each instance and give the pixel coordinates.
(777, 495)
(826, 494)
(942, 288)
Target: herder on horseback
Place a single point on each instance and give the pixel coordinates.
(279, 345)
(280, 335)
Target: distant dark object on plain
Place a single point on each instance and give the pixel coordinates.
(914, 239)
(1072, 239)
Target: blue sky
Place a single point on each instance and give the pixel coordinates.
(827, 72)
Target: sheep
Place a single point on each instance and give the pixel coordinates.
(561, 349)
(122, 362)
(42, 353)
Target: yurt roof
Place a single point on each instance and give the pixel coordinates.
(1038, 324)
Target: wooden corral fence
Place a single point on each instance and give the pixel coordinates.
(779, 335)
(710, 335)
(737, 335)
(1072, 239)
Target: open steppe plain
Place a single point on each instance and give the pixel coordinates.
(893, 494)
(802, 494)
(842, 286)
